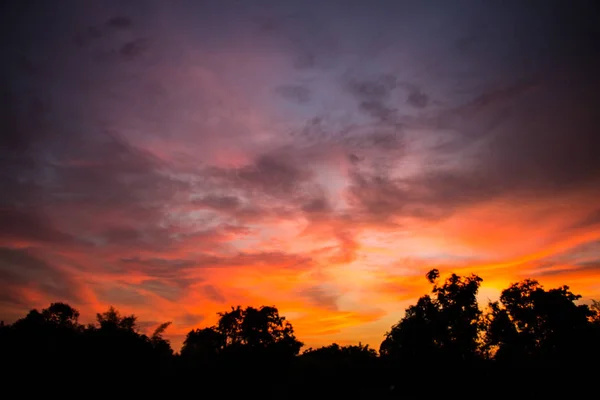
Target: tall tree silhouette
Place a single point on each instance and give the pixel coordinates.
(244, 332)
(258, 330)
(249, 343)
(443, 327)
(535, 327)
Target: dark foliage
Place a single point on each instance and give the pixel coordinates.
(533, 342)
(444, 327)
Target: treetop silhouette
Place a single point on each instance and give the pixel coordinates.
(254, 351)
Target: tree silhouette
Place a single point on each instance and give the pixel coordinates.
(443, 340)
(258, 330)
(532, 326)
(203, 345)
(339, 371)
(121, 353)
(157, 340)
(112, 320)
(442, 328)
(595, 309)
(62, 315)
(250, 343)
(250, 332)
(344, 354)
(43, 342)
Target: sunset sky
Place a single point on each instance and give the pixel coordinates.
(176, 158)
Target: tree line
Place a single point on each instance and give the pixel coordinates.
(446, 343)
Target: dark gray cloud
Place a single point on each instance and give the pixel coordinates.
(377, 139)
(376, 98)
(375, 88)
(274, 174)
(295, 93)
(378, 110)
(316, 129)
(317, 205)
(353, 158)
(134, 48)
(224, 203)
(433, 196)
(417, 99)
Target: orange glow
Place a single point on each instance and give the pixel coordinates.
(368, 278)
(306, 165)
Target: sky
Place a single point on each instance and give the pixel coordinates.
(174, 159)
